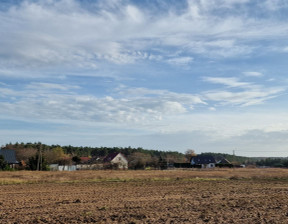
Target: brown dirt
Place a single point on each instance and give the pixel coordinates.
(102, 175)
(157, 199)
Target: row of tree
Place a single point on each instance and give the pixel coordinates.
(92, 151)
(273, 162)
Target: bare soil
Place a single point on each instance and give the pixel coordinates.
(160, 197)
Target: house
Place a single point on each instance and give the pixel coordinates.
(116, 160)
(9, 156)
(203, 161)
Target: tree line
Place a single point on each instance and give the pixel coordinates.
(232, 158)
(273, 162)
(36, 155)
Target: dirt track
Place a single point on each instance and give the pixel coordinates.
(142, 201)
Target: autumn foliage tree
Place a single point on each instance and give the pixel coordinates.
(57, 155)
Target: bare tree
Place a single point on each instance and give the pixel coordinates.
(189, 154)
(23, 154)
(139, 160)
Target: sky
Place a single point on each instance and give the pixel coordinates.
(208, 75)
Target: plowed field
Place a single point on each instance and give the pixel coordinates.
(158, 199)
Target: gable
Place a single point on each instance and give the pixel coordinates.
(119, 158)
(224, 161)
(114, 157)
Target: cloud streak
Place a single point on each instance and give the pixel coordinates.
(124, 33)
(242, 93)
(61, 101)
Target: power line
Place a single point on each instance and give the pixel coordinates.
(261, 151)
(251, 151)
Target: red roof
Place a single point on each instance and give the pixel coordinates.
(85, 159)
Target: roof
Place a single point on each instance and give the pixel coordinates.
(202, 159)
(111, 156)
(223, 161)
(9, 156)
(85, 159)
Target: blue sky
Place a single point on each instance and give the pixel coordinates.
(208, 75)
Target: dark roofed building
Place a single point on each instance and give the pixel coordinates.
(204, 161)
(224, 163)
(110, 157)
(9, 156)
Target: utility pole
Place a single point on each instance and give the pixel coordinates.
(39, 160)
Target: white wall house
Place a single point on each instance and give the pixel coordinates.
(117, 160)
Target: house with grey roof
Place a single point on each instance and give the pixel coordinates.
(203, 161)
(9, 156)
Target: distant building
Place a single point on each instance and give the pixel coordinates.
(224, 163)
(85, 159)
(9, 156)
(56, 167)
(116, 160)
(203, 161)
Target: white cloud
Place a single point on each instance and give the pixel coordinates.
(134, 14)
(180, 61)
(50, 86)
(285, 49)
(75, 35)
(48, 101)
(248, 94)
(244, 98)
(228, 81)
(136, 93)
(125, 105)
(253, 74)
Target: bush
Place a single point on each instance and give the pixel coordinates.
(36, 163)
(3, 164)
